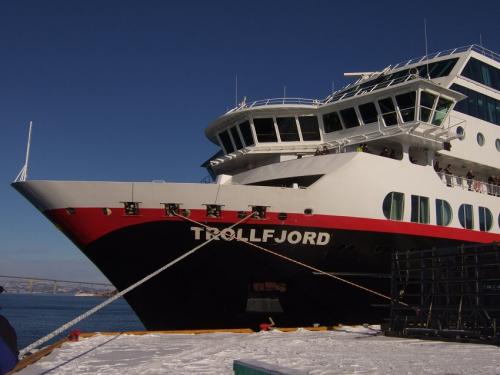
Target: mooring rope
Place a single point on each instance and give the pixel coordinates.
(92, 311)
(356, 285)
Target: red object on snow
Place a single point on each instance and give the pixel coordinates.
(74, 335)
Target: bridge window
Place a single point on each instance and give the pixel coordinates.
(478, 105)
(393, 205)
(442, 108)
(443, 212)
(246, 132)
(131, 208)
(406, 104)
(349, 117)
(288, 129)
(226, 142)
(331, 122)
(419, 209)
(426, 105)
(388, 111)
(485, 219)
(465, 216)
(309, 128)
(264, 128)
(368, 113)
(482, 73)
(236, 138)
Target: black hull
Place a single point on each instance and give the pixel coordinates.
(228, 284)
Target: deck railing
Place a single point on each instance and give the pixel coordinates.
(470, 184)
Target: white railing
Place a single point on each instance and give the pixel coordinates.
(470, 184)
(473, 47)
(276, 101)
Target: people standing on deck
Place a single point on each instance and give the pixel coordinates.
(470, 179)
(318, 151)
(491, 185)
(325, 151)
(437, 168)
(364, 147)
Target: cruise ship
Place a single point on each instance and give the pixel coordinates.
(403, 158)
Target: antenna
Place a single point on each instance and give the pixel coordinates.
(236, 91)
(426, 51)
(23, 174)
(284, 91)
(480, 39)
(333, 86)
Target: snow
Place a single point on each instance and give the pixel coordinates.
(349, 350)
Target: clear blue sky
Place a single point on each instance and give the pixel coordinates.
(100, 78)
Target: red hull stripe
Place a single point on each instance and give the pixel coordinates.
(86, 225)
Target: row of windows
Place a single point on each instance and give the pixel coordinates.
(478, 105)
(393, 208)
(288, 129)
(482, 73)
(432, 70)
(433, 109)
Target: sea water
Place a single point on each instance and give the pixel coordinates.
(35, 315)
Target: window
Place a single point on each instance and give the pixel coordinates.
(264, 128)
(480, 139)
(426, 105)
(226, 142)
(236, 138)
(419, 209)
(465, 216)
(497, 144)
(461, 133)
(393, 206)
(331, 122)
(482, 73)
(288, 129)
(485, 219)
(246, 132)
(443, 212)
(310, 128)
(406, 104)
(349, 117)
(368, 113)
(478, 105)
(388, 111)
(131, 208)
(442, 108)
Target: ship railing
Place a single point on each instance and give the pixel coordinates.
(276, 101)
(473, 47)
(478, 186)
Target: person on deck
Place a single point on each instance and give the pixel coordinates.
(470, 178)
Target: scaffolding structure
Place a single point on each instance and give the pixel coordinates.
(451, 293)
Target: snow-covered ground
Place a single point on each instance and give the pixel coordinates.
(353, 350)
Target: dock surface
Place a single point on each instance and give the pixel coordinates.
(345, 350)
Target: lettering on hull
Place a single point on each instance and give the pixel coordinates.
(276, 236)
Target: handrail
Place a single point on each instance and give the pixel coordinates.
(277, 101)
(477, 186)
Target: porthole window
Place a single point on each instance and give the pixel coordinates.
(497, 144)
(419, 209)
(393, 206)
(460, 133)
(485, 219)
(443, 212)
(106, 211)
(465, 216)
(480, 139)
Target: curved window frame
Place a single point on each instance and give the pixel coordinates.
(393, 206)
(485, 219)
(480, 139)
(466, 216)
(444, 213)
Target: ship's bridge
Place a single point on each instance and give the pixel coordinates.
(410, 110)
